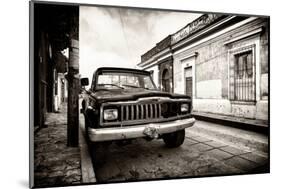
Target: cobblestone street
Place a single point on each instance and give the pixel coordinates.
(198, 156)
(55, 164)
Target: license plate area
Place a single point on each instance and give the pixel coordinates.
(151, 132)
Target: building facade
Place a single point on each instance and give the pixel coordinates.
(221, 61)
(51, 31)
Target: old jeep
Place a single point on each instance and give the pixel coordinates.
(125, 104)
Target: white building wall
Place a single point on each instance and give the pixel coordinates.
(209, 59)
(182, 61)
(211, 72)
(155, 74)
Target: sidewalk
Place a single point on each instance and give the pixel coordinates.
(238, 122)
(55, 164)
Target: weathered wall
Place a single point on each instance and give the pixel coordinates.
(212, 69)
(155, 74)
(264, 62)
(181, 61)
(166, 64)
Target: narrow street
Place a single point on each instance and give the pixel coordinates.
(205, 152)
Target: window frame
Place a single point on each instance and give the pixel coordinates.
(232, 61)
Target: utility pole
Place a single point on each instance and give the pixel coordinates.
(73, 82)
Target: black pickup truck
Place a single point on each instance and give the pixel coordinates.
(125, 104)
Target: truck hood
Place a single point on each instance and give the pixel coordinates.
(131, 94)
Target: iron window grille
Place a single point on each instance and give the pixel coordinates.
(242, 79)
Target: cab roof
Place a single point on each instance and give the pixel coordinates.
(117, 69)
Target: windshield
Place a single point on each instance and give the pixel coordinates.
(119, 80)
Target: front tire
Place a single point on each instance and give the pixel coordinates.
(175, 139)
(97, 149)
(98, 153)
(87, 125)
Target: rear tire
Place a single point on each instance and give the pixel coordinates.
(175, 139)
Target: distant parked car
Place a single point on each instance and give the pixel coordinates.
(125, 104)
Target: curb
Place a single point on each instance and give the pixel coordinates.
(260, 128)
(87, 168)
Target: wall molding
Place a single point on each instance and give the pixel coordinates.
(253, 32)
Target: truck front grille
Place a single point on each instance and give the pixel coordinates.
(140, 112)
(135, 112)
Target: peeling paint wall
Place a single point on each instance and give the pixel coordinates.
(211, 74)
(155, 71)
(209, 89)
(210, 59)
(220, 106)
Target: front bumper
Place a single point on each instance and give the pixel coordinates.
(137, 131)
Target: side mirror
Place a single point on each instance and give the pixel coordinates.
(84, 81)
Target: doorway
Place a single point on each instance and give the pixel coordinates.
(166, 80)
(188, 81)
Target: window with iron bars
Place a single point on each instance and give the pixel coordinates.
(242, 81)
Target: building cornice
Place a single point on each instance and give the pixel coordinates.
(251, 33)
(155, 57)
(170, 48)
(199, 37)
(213, 35)
(191, 28)
(202, 22)
(203, 32)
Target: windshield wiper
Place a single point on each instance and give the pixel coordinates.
(133, 86)
(112, 85)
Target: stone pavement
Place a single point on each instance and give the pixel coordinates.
(200, 155)
(240, 138)
(55, 164)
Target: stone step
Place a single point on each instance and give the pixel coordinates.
(246, 140)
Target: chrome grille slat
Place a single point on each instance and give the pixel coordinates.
(137, 111)
(122, 113)
(127, 112)
(132, 112)
(155, 110)
(160, 109)
(146, 111)
(151, 111)
(142, 111)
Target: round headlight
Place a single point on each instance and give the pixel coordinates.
(110, 114)
(184, 108)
